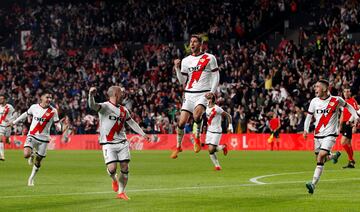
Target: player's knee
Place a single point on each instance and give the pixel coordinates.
(212, 149)
(124, 169)
(111, 170)
(181, 125)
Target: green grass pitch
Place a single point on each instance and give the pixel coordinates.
(77, 181)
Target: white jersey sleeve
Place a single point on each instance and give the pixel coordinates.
(311, 108)
(184, 68)
(213, 63)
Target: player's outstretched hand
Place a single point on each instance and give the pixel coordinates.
(305, 135)
(147, 138)
(177, 63)
(92, 91)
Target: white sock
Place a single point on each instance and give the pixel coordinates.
(220, 147)
(317, 173)
(112, 175)
(2, 149)
(214, 159)
(123, 181)
(179, 137)
(35, 169)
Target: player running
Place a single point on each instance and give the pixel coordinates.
(200, 74)
(43, 116)
(214, 114)
(113, 139)
(6, 117)
(325, 109)
(347, 127)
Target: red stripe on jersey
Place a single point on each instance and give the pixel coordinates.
(40, 126)
(204, 60)
(117, 126)
(346, 113)
(324, 120)
(211, 117)
(6, 111)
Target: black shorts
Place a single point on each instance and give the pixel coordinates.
(346, 130)
(276, 134)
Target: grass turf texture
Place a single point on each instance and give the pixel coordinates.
(77, 180)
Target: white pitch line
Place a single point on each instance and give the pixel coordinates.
(255, 179)
(172, 189)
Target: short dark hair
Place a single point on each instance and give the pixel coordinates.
(45, 92)
(197, 36)
(3, 95)
(325, 82)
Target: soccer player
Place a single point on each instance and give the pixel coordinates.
(200, 74)
(43, 116)
(325, 109)
(115, 145)
(274, 125)
(6, 117)
(214, 114)
(346, 129)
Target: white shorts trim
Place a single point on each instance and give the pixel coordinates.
(5, 131)
(116, 152)
(213, 138)
(326, 143)
(40, 147)
(191, 100)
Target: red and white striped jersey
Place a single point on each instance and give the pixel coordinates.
(213, 115)
(199, 68)
(42, 119)
(112, 123)
(6, 114)
(326, 113)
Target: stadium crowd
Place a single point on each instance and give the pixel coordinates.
(83, 49)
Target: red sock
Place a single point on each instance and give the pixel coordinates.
(272, 145)
(349, 151)
(278, 145)
(351, 155)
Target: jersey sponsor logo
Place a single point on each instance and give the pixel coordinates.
(325, 118)
(322, 111)
(42, 122)
(118, 125)
(211, 117)
(5, 113)
(198, 70)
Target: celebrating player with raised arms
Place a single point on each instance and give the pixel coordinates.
(214, 116)
(43, 116)
(115, 145)
(325, 109)
(199, 74)
(6, 117)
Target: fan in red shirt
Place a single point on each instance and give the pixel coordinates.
(347, 127)
(275, 125)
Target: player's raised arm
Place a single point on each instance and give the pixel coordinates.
(181, 75)
(91, 101)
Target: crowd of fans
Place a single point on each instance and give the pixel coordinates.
(256, 80)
